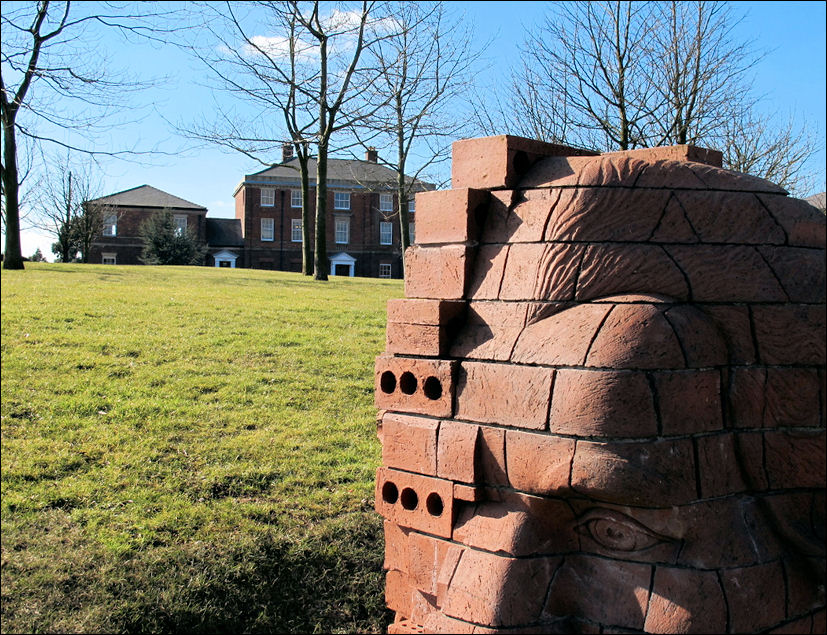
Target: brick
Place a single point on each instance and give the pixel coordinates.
(396, 547)
(556, 172)
(635, 473)
(520, 279)
(718, 466)
(538, 463)
(517, 525)
(749, 446)
(499, 162)
(678, 152)
(518, 216)
(755, 597)
(410, 443)
(557, 272)
(727, 273)
(619, 169)
(421, 386)
(416, 339)
(688, 401)
(437, 272)
(417, 502)
(602, 403)
(800, 271)
(608, 269)
(718, 179)
(803, 223)
(701, 340)
(507, 395)
(802, 594)
(490, 331)
(423, 562)
(457, 451)
(398, 592)
(495, 590)
(601, 591)
(747, 397)
(674, 227)
(562, 339)
(730, 217)
(734, 324)
(488, 272)
(686, 601)
(450, 216)
(492, 456)
(795, 459)
(791, 398)
(427, 312)
(636, 336)
(668, 173)
(790, 333)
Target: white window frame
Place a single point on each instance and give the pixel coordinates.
(111, 257)
(341, 200)
(412, 232)
(296, 199)
(180, 227)
(267, 229)
(342, 233)
(110, 225)
(268, 197)
(385, 270)
(386, 202)
(385, 233)
(296, 230)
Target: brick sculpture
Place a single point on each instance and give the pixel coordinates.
(603, 399)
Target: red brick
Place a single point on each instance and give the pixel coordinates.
(538, 463)
(686, 601)
(755, 597)
(747, 397)
(718, 179)
(429, 312)
(520, 280)
(507, 395)
(668, 173)
(562, 339)
(734, 324)
(701, 340)
(613, 169)
(416, 339)
(557, 272)
(449, 559)
(635, 473)
(791, 398)
(790, 333)
(727, 273)
(490, 330)
(730, 217)
(409, 501)
(800, 271)
(804, 224)
(488, 272)
(437, 272)
(422, 386)
(689, 401)
(396, 547)
(608, 269)
(601, 591)
(795, 459)
(517, 525)
(410, 443)
(718, 466)
(636, 336)
(750, 449)
(802, 594)
(398, 592)
(499, 162)
(674, 226)
(423, 562)
(492, 456)
(679, 152)
(518, 216)
(556, 172)
(457, 451)
(450, 216)
(602, 403)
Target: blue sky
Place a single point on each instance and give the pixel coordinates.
(791, 78)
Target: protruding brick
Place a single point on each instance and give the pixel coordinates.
(419, 502)
(410, 443)
(422, 386)
(500, 162)
(457, 451)
(453, 264)
(425, 312)
(450, 216)
(416, 339)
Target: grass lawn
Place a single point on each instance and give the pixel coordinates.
(189, 449)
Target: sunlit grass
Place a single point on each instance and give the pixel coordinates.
(189, 449)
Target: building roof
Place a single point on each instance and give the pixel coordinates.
(224, 232)
(146, 196)
(351, 173)
(818, 200)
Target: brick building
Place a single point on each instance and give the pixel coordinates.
(363, 236)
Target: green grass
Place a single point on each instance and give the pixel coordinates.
(189, 449)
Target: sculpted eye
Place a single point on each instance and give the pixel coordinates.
(616, 531)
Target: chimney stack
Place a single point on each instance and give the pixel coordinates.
(371, 155)
(286, 152)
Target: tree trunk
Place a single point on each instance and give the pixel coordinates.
(320, 263)
(13, 258)
(307, 252)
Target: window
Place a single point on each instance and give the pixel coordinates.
(342, 231)
(268, 198)
(180, 224)
(341, 200)
(109, 259)
(412, 206)
(412, 232)
(296, 230)
(385, 233)
(267, 229)
(386, 202)
(384, 270)
(110, 225)
(295, 198)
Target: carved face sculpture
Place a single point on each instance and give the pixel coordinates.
(560, 457)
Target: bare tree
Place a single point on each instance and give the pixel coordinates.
(423, 68)
(55, 82)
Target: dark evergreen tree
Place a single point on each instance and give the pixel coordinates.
(166, 244)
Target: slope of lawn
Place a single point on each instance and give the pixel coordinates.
(189, 449)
